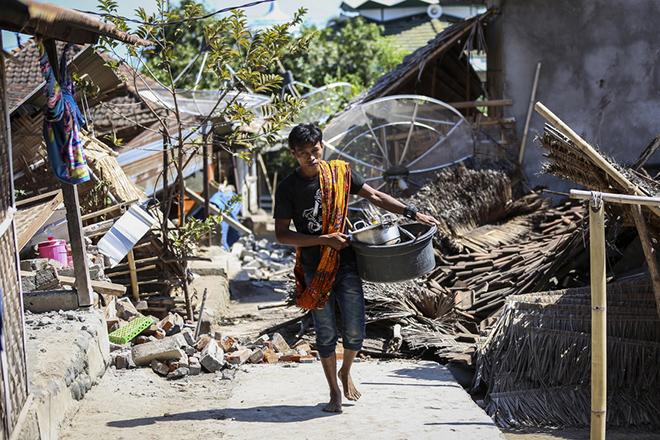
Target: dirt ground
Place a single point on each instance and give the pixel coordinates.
(132, 404)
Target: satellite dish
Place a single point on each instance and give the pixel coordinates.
(434, 11)
(398, 143)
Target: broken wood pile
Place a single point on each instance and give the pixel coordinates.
(509, 258)
(536, 361)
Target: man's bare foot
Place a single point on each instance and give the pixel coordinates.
(334, 405)
(350, 391)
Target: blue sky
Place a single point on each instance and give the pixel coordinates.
(319, 11)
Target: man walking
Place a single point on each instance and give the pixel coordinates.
(315, 196)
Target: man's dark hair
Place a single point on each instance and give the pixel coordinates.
(303, 134)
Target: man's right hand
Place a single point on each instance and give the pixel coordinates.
(336, 240)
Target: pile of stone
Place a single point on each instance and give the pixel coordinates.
(170, 348)
(262, 259)
(180, 354)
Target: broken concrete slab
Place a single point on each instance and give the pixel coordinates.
(212, 357)
(47, 301)
(162, 350)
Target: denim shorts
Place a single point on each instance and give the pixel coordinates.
(347, 292)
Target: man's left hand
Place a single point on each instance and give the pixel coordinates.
(427, 219)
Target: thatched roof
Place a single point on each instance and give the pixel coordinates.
(439, 69)
(59, 23)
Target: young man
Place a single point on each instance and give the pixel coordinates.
(315, 197)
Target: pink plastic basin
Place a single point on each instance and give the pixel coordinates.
(54, 249)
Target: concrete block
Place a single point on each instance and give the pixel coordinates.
(195, 366)
(279, 344)
(126, 310)
(162, 350)
(46, 279)
(188, 336)
(34, 264)
(256, 356)
(212, 357)
(46, 301)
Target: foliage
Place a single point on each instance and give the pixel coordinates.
(240, 61)
(356, 52)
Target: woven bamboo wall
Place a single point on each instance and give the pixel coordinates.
(15, 379)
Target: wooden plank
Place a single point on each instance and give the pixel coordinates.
(99, 228)
(78, 247)
(134, 284)
(121, 206)
(104, 287)
(124, 272)
(646, 154)
(26, 228)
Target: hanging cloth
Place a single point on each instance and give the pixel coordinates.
(62, 122)
(335, 180)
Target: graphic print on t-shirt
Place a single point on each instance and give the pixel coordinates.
(314, 215)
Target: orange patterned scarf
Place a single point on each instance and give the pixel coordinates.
(335, 180)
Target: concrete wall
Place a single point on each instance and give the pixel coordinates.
(598, 73)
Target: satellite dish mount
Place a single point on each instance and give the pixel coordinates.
(434, 11)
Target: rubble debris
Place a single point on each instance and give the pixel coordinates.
(262, 259)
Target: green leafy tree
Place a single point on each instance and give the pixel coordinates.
(190, 43)
(240, 63)
(356, 52)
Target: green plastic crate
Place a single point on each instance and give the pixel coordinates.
(132, 329)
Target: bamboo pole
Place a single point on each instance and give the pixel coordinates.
(616, 198)
(642, 229)
(529, 113)
(598, 320)
(593, 154)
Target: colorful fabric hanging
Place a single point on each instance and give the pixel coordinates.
(335, 180)
(62, 122)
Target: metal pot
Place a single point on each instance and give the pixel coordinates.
(385, 232)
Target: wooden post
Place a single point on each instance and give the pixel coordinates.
(134, 282)
(78, 248)
(529, 113)
(598, 320)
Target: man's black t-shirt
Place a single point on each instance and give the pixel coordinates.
(299, 199)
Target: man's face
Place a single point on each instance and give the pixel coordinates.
(308, 157)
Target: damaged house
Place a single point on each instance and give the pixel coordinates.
(506, 257)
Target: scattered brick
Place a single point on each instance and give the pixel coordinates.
(270, 357)
(159, 368)
(239, 356)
